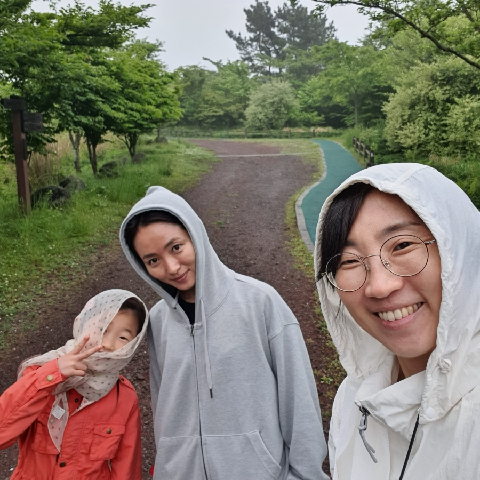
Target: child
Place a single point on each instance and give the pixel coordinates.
(73, 416)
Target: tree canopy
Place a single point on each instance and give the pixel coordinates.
(273, 36)
(452, 26)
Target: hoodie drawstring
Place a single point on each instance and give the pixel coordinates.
(362, 426)
(410, 447)
(175, 300)
(207, 356)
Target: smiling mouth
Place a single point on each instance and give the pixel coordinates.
(399, 313)
(181, 277)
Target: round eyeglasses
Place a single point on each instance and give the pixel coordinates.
(402, 255)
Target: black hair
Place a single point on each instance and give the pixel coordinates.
(338, 221)
(142, 220)
(136, 306)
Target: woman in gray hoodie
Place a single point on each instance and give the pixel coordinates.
(232, 388)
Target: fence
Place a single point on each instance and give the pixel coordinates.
(363, 149)
(239, 134)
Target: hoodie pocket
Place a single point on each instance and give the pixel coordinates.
(238, 457)
(106, 439)
(179, 458)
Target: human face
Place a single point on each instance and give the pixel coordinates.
(417, 298)
(122, 329)
(169, 256)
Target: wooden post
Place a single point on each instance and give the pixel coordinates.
(17, 105)
(245, 134)
(21, 155)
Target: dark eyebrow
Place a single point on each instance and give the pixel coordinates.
(400, 226)
(391, 229)
(151, 255)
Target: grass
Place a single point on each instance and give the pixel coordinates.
(59, 243)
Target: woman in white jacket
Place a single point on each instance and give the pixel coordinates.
(398, 273)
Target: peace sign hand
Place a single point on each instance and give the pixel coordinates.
(71, 364)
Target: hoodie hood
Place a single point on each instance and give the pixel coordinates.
(453, 368)
(213, 278)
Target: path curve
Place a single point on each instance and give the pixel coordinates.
(339, 164)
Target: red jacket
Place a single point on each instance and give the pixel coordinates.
(101, 442)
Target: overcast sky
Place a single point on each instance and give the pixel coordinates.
(193, 29)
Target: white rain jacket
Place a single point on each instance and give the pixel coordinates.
(447, 394)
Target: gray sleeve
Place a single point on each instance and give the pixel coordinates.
(299, 410)
(155, 374)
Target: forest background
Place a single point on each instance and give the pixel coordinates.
(410, 89)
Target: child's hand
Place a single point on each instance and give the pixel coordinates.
(72, 365)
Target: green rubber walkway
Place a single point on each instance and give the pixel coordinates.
(340, 164)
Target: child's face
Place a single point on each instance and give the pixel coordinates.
(121, 330)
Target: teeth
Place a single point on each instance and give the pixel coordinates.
(399, 313)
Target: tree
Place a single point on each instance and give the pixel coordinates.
(435, 108)
(264, 47)
(271, 106)
(300, 29)
(276, 37)
(110, 26)
(149, 94)
(432, 19)
(215, 99)
(353, 75)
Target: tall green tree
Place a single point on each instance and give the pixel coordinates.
(215, 99)
(432, 19)
(352, 79)
(300, 29)
(263, 49)
(276, 37)
(149, 94)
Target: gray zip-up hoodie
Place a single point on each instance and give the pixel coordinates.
(234, 396)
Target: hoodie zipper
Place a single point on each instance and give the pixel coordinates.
(192, 334)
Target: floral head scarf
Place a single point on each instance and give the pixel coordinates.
(102, 367)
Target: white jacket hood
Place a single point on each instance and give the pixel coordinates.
(454, 366)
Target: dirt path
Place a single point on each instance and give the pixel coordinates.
(242, 203)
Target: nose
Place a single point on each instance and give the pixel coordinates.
(380, 282)
(107, 343)
(173, 265)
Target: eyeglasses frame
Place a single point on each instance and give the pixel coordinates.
(383, 262)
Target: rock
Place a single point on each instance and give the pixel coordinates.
(140, 376)
(53, 195)
(139, 157)
(73, 184)
(161, 140)
(109, 169)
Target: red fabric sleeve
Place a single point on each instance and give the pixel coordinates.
(21, 404)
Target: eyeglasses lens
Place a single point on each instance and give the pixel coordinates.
(402, 255)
